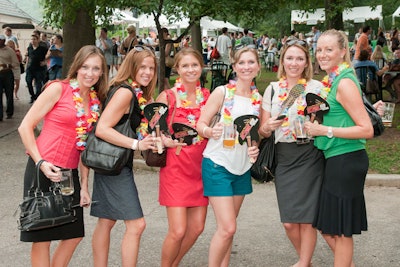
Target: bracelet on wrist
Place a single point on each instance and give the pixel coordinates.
(135, 144)
(204, 131)
(39, 162)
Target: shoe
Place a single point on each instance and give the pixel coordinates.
(9, 117)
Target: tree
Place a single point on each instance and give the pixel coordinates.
(78, 18)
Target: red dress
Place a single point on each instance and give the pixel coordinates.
(180, 181)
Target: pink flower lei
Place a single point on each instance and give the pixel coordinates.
(85, 122)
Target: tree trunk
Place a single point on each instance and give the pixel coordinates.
(333, 14)
(77, 33)
(196, 37)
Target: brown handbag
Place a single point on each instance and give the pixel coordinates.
(153, 159)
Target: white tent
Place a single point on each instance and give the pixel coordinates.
(396, 14)
(123, 17)
(356, 14)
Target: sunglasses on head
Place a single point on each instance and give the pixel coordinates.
(141, 48)
(298, 42)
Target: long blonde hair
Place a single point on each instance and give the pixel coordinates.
(130, 67)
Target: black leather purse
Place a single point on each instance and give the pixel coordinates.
(376, 120)
(41, 210)
(104, 157)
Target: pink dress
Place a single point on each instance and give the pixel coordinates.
(56, 143)
(180, 181)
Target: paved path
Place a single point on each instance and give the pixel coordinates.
(260, 240)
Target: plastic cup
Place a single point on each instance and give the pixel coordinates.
(301, 134)
(229, 136)
(67, 182)
(387, 117)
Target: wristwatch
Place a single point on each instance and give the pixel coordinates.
(329, 134)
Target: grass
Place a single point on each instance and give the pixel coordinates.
(383, 151)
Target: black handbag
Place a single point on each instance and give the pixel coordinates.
(106, 158)
(376, 120)
(41, 210)
(263, 170)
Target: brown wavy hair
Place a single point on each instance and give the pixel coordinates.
(101, 87)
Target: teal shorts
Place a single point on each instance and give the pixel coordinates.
(218, 181)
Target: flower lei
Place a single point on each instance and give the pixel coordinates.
(229, 100)
(328, 79)
(142, 129)
(186, 103)
(200, 101)
(85, 122)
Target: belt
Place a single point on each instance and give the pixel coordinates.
(5, 67)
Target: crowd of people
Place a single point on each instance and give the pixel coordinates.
(314, 194)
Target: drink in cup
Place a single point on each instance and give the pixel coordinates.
(301, 134)
(387, 117)
(67, 182)
(229, 136)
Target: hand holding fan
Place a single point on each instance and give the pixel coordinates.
(247, 127)
(156, 113)
(316, 107)
(294, 93)
(184, 133)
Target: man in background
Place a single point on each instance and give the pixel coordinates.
(105, 44)
(9, 36)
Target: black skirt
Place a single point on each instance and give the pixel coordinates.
(342, 205)
(298, 179)
(66, 231)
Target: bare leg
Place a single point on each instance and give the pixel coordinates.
(64, 251)
(331, 241)
(225, 211)
(40, 254)
(303, 238)
(131, 241)
(16, 88)
(195, 226)
(343, 251)
(101, 242)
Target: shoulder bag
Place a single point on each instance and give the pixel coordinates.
(263, 170)
(169, 59)
(41, 210)
(104, 157)
(376, 120)
(214, 53)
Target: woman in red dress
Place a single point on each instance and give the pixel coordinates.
(181, 188)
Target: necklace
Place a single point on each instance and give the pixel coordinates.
(328, 79)
(85, 122)
(142, 129)
(229, 101)
(180, 88)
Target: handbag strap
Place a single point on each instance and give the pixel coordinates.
(112, 92)
(171, 97)
(222, 102)
(38, 164)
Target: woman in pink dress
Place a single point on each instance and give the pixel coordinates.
(63, 106)
(181, 188)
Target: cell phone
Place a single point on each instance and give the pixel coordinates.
(281, 117)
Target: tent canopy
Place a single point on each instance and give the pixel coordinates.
(396, 14)
(356, 14)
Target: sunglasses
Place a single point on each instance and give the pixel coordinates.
(141, 48)
(297, 42)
